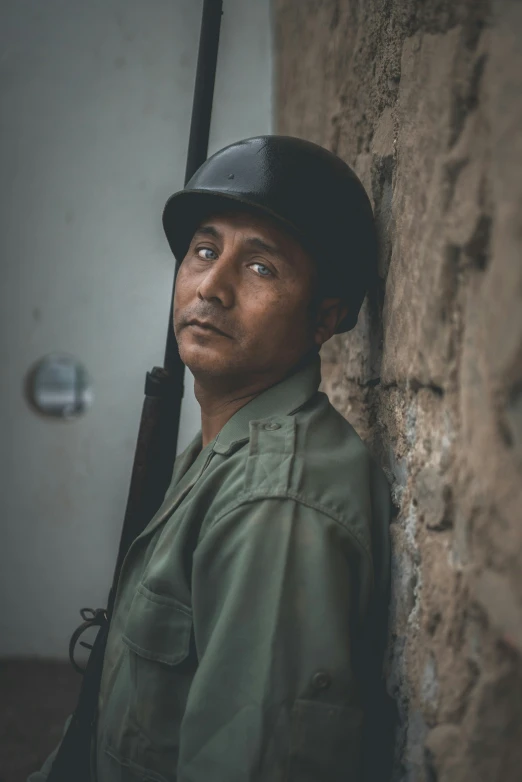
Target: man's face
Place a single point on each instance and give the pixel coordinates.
(242, 304)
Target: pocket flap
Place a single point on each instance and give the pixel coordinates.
(158, 628)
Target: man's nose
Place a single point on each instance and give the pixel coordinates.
(219, 281)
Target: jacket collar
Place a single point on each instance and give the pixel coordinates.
(186, 459)
(282, 399)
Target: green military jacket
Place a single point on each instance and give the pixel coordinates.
(229, 657)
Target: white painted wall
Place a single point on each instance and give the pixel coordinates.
(96, 100)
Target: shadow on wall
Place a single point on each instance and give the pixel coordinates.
(36, 699)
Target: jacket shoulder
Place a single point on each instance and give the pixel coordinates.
(315, 456)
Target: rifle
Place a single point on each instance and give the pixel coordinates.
(155, 449)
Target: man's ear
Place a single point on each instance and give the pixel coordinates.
(330, 313)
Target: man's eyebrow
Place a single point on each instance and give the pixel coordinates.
(253, 241)
(258, 244)
(208, 230)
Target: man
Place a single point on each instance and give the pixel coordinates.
(236, 637)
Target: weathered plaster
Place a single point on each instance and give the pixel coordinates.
(424, 100)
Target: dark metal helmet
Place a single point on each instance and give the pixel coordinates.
(309, 191)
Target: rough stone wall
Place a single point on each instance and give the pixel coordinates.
(424, 99)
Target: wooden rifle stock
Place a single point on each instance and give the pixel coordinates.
(156, 445)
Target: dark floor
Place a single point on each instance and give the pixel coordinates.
(35, 699)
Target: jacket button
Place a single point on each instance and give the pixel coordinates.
(321, 680)
(272, 427)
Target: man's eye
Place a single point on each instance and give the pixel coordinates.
(261, 269)
(206, 253)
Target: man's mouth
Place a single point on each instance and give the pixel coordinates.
(205, 326)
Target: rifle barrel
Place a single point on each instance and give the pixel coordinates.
(204, 86)
(157, 439)
(158, 433)
(198, 138)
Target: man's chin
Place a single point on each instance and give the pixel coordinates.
(207, 360)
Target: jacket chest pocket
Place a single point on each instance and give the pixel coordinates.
(158, 634)
(158, 628)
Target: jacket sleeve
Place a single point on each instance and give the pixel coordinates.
(275, 586)
(41, 776)
(43, 773)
